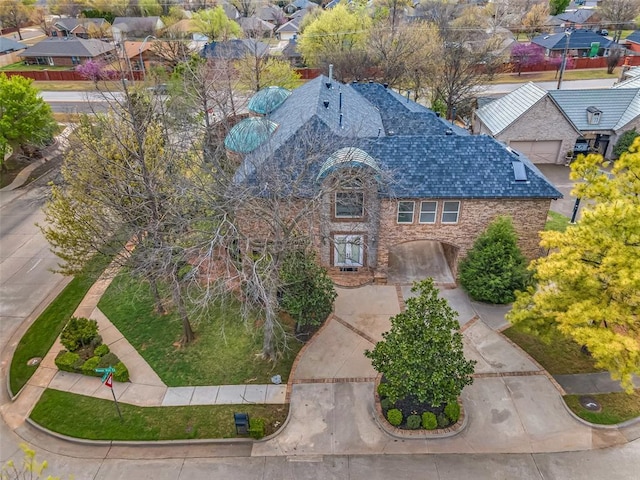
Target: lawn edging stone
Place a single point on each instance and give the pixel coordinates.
(404, 434)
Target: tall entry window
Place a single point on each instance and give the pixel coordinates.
(348, 250)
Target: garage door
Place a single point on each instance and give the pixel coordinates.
(546, 151)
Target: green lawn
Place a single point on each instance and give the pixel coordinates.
(556, 222)
(21, 67)
(560, 356)
(92, 418)
(549, 76)
(224, 352)
(41, 335)
(616, 407)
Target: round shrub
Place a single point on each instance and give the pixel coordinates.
(121, 374)
(109, 360)
(383, 389)
(89, 367)
(414, 422)
(394, 416)
(452, 411)
(67, 361)
(79, 332)
(386, 404)
(429, 421)
(101, 350)
(443, 421)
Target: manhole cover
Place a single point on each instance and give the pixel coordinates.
(32, 362)
(590, 404)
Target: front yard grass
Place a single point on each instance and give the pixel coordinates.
(225, 351)
(96, 419)
(556, 222)
(616, 407)
(551, 75)
(41, 335)
(559, 357)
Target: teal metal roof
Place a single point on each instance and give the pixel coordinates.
(502, 112)
(618, 106)
(249, 134)
(268, 99)
(348, 156)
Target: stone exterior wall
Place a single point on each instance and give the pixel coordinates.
(529, 218)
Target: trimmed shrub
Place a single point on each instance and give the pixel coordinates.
(79, 332)
(386, 404)
(414, 422)
(121, 374)
(89, 367)
(383, 390)
(443, 421)
(495, 267)
(452, 411)
(67, 361)
(624, 142)
(394, 416)
(429, 421)
(101, 350)
(256, 428)
(109, 360)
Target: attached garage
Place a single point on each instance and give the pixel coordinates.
(539, 151)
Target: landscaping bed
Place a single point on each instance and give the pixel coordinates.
(96, 419)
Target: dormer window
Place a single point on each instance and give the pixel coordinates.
(593, 115)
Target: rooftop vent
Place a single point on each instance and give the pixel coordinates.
(593, 115)
(519, 171)
(448, 132)
(385, 85)
(328, 84)
(326, 104)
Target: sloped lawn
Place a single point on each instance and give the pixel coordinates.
(225, 351)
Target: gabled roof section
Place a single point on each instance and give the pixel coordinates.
(501, 113)
(401, 116)
(634, 37)
(71, 24)
(618, 106)
(579, 16)
(580, 39)
(9, 45)
(68, 47)
(235, 49)
(631, 82)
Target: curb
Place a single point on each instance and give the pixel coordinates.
(600, 426)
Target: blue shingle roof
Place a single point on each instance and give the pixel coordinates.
(426, 157)
(578, 40)
(634, 37)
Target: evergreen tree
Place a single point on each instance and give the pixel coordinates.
(494, 268)
(421, 356)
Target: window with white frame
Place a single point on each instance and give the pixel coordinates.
(428, 211)
(450, 212)
(405, 212)
(348, 250)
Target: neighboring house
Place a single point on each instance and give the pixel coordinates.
(579, 43)
(68, 51)
(289, 30)
(291, 53)
(8, 46)
(546, 126)
(9, 50)
(269, 13)
(254, 27)
(80, 27)
(580, 18)
(632, 42)
(235, 49)
(135, 27)
(298, 5)
(431, 187)
(142, 55)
